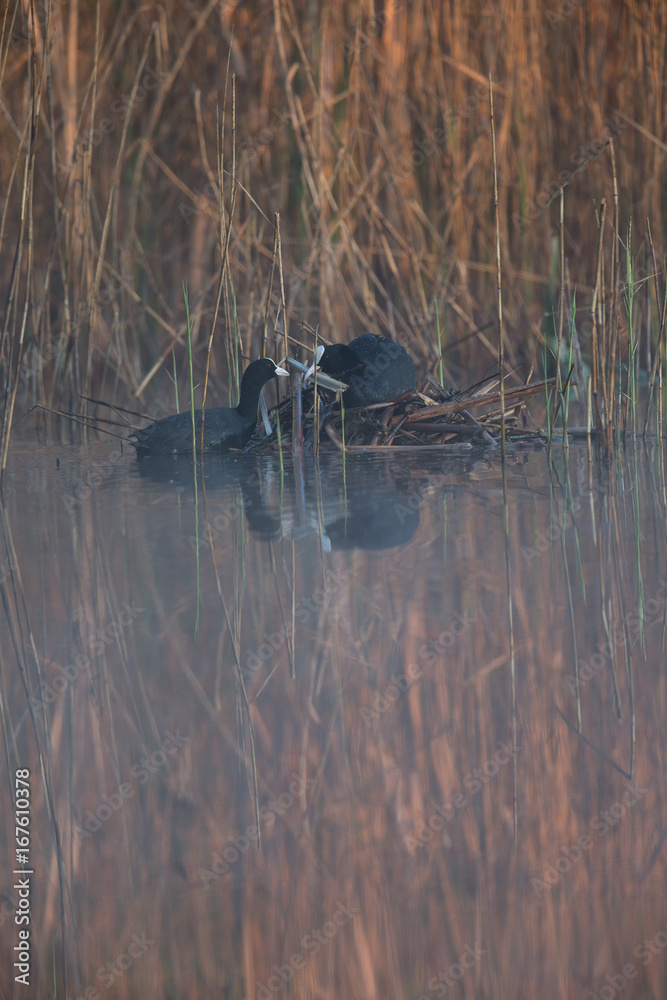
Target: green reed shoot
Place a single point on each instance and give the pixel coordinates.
(437, 321)
(566, 397)
(173, 363)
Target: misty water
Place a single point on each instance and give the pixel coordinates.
(397, 722)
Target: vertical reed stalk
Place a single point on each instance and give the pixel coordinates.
(437, 321)
(597, 336)
(633, 342)
(25, 236)
(225, 233)
(501, 345)
(657, 370)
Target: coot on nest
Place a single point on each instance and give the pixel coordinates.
(377, 370)
(225, 427)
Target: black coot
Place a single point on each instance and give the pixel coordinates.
(225, 427)
(377, 370)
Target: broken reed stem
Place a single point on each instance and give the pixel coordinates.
(483, 399)
(501, 347)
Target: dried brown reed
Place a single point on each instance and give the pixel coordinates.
(369, 134)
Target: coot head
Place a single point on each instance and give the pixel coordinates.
(377, 370)
(255, 377)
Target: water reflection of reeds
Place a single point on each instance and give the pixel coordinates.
(398, 716)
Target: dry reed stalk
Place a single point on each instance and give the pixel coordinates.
(614, 334)
(225, 235)
(373, 151)
(265, 329)
(561, 288)
(499, 288)
(659, 353)
(485, 399)
(283, 303)
(160, 99)
(113, 195)
(13, 349)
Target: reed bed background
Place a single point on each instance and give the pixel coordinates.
(367, 131)
(144, 147)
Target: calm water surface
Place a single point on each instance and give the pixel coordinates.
(355, 731)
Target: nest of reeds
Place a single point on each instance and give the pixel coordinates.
(432, 416)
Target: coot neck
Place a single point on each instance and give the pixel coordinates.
(251, 385)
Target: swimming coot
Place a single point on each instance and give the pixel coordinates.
(225, 427)
(376, 369)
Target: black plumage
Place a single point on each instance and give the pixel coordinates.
(224, 427)
(377, 370)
